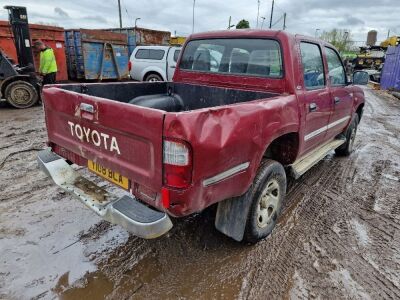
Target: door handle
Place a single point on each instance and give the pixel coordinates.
(337, 100)
(312, 107)
(173, 67)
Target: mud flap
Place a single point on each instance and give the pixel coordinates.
(232, 215)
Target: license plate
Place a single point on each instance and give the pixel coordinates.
(108, 174)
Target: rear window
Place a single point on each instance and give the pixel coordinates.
(150, 54)
(257, 57)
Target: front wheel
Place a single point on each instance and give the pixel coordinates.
(21, 94)
(350, 134)
(266, 193)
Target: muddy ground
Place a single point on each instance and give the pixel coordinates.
(338, 237)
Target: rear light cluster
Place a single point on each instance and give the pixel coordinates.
(177, 159)
(129, 65)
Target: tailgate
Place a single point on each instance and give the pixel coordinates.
(122, 137)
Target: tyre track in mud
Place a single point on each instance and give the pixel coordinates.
(338, 236)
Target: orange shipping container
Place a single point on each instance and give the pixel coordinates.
(50, 35)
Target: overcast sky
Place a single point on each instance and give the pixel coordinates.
(303, 16)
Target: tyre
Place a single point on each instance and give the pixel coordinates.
(153, 78)
(21, 94)
(267, 194)
(350, 134)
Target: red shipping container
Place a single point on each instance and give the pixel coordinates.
(50, 35)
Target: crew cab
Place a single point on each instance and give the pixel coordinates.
(153, 63)
(245, 110)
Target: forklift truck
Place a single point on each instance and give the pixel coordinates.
(19, 83)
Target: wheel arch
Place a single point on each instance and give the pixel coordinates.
(284, 148)
(11, 79)
(149, 72)
(359, 111)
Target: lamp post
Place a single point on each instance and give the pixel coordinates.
(258, 12)
(194, 3)
(137, 19)
(262, 23)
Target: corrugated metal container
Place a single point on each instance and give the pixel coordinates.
(96, 54)
(50, 35)
(390, 78)
(142, 36)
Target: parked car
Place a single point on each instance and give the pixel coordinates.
(228, 130)
(153, 63)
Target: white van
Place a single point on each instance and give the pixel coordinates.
(153, 63)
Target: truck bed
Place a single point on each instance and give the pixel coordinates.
(168, 96)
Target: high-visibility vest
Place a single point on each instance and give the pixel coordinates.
(48, 62)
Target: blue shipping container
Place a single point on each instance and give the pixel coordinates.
(390, 78)
(96, 55)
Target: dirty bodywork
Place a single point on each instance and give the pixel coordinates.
(226, 120)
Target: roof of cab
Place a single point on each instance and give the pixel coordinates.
(254, 33)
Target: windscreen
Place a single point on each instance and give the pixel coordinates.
(250, 57)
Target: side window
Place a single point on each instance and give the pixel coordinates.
(313, 66)
(337, 74)
(176, 55)
(142, 54)
(156, 54)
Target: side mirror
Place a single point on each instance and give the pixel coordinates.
(360, 77)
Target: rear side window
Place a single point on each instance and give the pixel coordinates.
(337, 75)
(313, 67)
(257, 57)
(176, 55)
(155, 54)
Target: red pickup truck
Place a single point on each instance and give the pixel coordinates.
(245, 109)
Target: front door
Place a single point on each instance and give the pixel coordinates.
(317, 105)
(340, 93)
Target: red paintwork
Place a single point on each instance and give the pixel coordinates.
(220, 137)
(50, 35)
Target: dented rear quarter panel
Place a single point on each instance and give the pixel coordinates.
(224, 137)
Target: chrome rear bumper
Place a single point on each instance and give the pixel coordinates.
(126, 211)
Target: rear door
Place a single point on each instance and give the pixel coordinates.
(121, 137)
(173, 55)
(317, 105)
(340, 93)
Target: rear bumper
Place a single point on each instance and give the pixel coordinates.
(131, 214)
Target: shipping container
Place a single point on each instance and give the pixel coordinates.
(390, 78)
(52, 36)
(143, 36)
(96, 54)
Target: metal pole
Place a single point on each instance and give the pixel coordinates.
(229, 25)
(258, 13)
(316, 32)
(272, 13)
(284, 21)
(388, 33)
(194, 3)
(120, 16)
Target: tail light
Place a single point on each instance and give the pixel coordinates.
(177, 159)
(129, 65)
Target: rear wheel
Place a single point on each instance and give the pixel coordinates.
(350, 134)
(154, 78)
(267, 193)
(21, 94)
